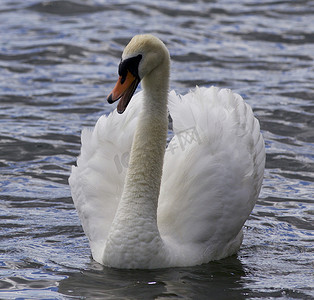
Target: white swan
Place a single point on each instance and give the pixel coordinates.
(177, 207)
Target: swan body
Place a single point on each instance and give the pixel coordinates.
(144, 204)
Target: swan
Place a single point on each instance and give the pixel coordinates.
(145, 205)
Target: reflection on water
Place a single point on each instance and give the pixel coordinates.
(194, 283)
(58, 60)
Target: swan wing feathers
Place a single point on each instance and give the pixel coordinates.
(213, 171)
(97, 180)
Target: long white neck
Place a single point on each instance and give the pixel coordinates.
(134, 240)
(146, 159)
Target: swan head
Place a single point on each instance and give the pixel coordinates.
(141, 56)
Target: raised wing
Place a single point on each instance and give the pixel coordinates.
(213, 171)
(97, 181)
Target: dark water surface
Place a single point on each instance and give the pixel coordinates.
(58, 61)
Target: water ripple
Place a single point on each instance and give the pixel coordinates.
(58, 60)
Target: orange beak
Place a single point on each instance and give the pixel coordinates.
(124, 89)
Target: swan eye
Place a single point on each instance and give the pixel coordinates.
(130, 64)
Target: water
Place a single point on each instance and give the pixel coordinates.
(58, 61)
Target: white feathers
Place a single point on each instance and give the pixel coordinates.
(212, 179)
(97, 181)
